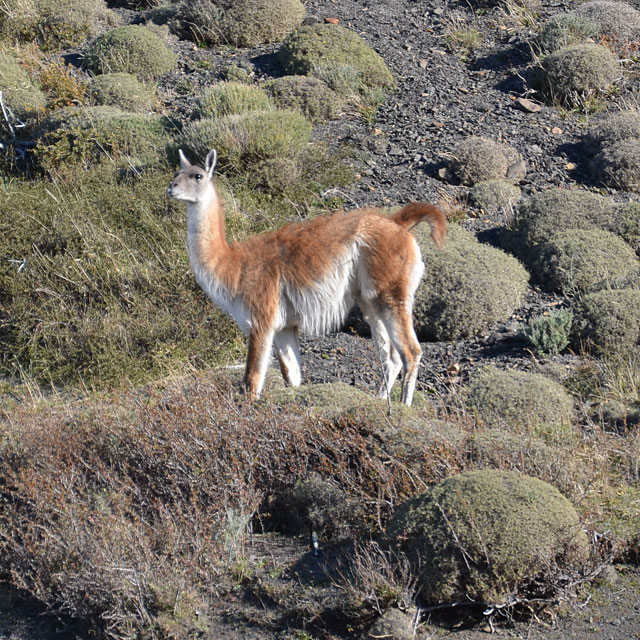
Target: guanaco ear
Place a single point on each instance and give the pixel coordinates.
(210, 162)
(184, 163)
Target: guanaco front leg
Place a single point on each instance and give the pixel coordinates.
(259, 352)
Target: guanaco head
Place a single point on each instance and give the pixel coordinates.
(193, 183)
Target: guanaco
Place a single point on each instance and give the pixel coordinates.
(306, 277)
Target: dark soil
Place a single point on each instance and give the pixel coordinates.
(440, 99)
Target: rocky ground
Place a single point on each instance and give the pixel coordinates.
(442, 96)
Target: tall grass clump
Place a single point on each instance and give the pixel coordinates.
(95, 285)
(230, 98)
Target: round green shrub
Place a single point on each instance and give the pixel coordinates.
(84, 135)
(20, 93)
(229, 98)
(579, 260)
(54, 24)
(477, 159)
(467, 286)
(618, 22)
(122, 90)
(243, 140)
(519, 398)
(131, 49)
(618, 165)
(311, 96)
(607, 322)
(241, 23)
(329, 49)
(612, 129)
(490, 537)
(495, 196)
(553, 210)
(566, 29)
(574, 75)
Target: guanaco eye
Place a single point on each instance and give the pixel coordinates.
(198, 177)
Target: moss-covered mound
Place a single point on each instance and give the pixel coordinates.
(607, 322)
(477, 159)
(467, 286)
(490, 537)
(611, 129)
(518, 398)
(627, 223)
(241, 23)
(618, 22)
(495, 197)
(574, 75)
(307, 94)
(230, 98)
(19, 92)
(328, 50)
(54, 24)
(122, 90)
(131, 49)
(555, 210)
(579, 260)
(566, 29)
(84, 135)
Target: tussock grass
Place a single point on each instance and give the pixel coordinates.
(95, 283)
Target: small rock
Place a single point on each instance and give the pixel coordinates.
(423, 63)
(446, 174)
(332, 20)
(524, 104)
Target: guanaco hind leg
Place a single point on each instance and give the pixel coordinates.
(288, 352)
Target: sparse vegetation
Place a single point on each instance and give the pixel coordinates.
(566, 29)
(496, 197)
(131, 49)
(477, 159)
(467, 286)
(19, 90)
(618, 165)
(618, 23)
(240, 23)
(492, 537)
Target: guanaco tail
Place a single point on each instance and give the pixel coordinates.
(308, 275)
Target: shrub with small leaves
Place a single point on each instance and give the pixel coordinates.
(21, 94)
(477, 159)
(574, 75)
(122, 90)
(491, 537)
(554, 210)
(611, 129)
(467, 286)
(607, 322)
(242, 140)
(550, 334)
(578, 260)
(240, 23)
(54, 24)
(63, 84)
(566, 29)
(618, 22)
(134, 49)
(311, 96)
(618, 165)
(496, 197)
(325, 50)
(627, 223)
(84, 135)
(230, 98)
(520, 399)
